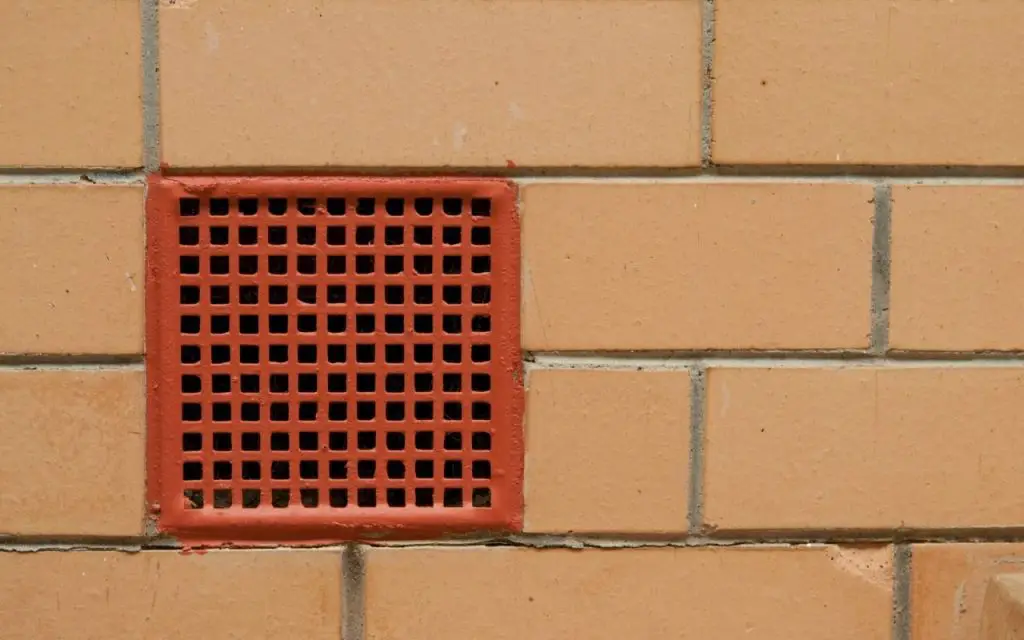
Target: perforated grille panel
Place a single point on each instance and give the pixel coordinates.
(333, 357)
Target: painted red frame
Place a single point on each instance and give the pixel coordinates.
(324, 524)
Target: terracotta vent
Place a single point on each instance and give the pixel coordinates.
(330, 358)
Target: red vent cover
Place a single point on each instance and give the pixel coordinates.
(331, 358)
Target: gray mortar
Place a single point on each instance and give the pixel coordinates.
(353, 563)
(902, 566)
(16, 177)
(707, 79)
(353, 576)
(698, 397)
(150, 84)
(881, 261)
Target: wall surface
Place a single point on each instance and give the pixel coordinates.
(771, 306)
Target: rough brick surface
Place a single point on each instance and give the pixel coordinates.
(864, 448)
(455, 594)
(957, 269)
(75, 259)
(729, 265)
(868, 82)
(71, 452)
(1002, 615)
(608, 451)
(95, 595)
(411, 83)
(948, 587)
(71, 84)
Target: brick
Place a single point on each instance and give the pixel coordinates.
(72, 452)
(267, 594)
(863, 448)
(71, 84)
(696, 265)
(957, 272)
(949, 583)
(607, 451)
(79, 255)
(504, 594)
(868, 82)
(417, 84)
(1003, 610)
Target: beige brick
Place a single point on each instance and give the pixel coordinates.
(949, 583)
(607, 451)
(72, 452)
(868, 82)
(76, 256)
(94, 595)
(726, 265)
(957, 269)
(473, 83)
(1002, 615)
(505, 594)
(864, 448)
(70, 84)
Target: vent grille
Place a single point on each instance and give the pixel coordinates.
(333, 357)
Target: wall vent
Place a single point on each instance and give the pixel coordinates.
(333, 358)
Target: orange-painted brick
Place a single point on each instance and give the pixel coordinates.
(607, 451)
(444, 83)
(948, 585)
(864, 448)
(72, 452)
(70, 84)
(1002, 616)
(868, 82)
(75, 259)
(505, 594)
(957, 270)
(93, 595)
(726, 265)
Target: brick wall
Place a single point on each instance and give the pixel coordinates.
(771, 306)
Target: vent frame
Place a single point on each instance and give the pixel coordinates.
(323, 523)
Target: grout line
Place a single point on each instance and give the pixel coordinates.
(353, 563)
(72, 177)
(355, 566)
(713, 178)
(150, 84)
(753, 538)
(609, 361)
(902, 568)
(695, 179)
(78, 175)
(638, 362)
(698, 399)
(881, 262)
(707, 81)
(47, 362)
(905, 172)
(911, 174)
(33, 544)
(353, 606)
